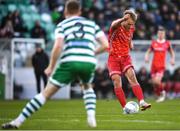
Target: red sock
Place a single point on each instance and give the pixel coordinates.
(161, 88)
(157, 91)
(138, 92)
(120, 96)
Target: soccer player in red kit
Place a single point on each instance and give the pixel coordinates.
(119, 61)
(159, 47)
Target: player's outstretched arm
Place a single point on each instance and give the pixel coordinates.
(103, 44)
(146, 58)
(171, 51)
(115, 24)
(131, 45)
(54, 55)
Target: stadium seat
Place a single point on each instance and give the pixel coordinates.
(50, 31)
(9, 1)
(49, 27)
(12, 7)
(3, 10)
(32, 9)
(22, 8)
(25, 2)
(51, 36)
(27, 20)
(46, 18)
(35, 17)
(26, 17)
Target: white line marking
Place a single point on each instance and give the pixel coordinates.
(139, 121)
(47, 119)
(117, 120)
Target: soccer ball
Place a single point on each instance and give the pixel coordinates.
(131, 108)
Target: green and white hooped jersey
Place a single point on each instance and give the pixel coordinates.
(79, 36)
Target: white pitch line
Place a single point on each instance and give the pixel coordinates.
(49, 119)
(117, 120)
(138, 121)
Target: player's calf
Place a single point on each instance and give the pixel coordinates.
(118, 89)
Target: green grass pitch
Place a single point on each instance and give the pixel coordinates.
(70, 114)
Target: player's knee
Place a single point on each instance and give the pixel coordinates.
(49, 91)
(133, 80)
(156, 82)
(116, 80)
(46, 94)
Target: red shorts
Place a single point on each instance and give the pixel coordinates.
(157, 71)
(119, 65)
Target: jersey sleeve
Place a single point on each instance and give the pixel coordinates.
(98, 32)
(59, 32)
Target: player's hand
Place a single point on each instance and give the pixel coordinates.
(146, 59)
(172, 62)
(131, 45)
(125, 18)
(48, 71)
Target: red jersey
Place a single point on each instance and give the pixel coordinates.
(160, 51)
(119, 40)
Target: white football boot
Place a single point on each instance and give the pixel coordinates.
(91, 121)
(162, 97)
(144, 105)
(11, 125)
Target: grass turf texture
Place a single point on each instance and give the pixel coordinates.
(70, 114)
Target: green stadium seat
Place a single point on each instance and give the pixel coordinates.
(32, 9)
(26, 17)
(51, 36)
(46, 18)
(43, 24)
(22, 8)
(12, 7)
(49, 27)
(3, 10)
(29, 24)
(27, 8)
(10, 1)
(25, 2)
(35, 17)
(28, 20)
(29, 14)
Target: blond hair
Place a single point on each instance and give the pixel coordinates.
(132, 14)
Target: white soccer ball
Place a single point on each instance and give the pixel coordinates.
(131, 108)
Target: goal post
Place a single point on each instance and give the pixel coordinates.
(7, 58)
(6, 68)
